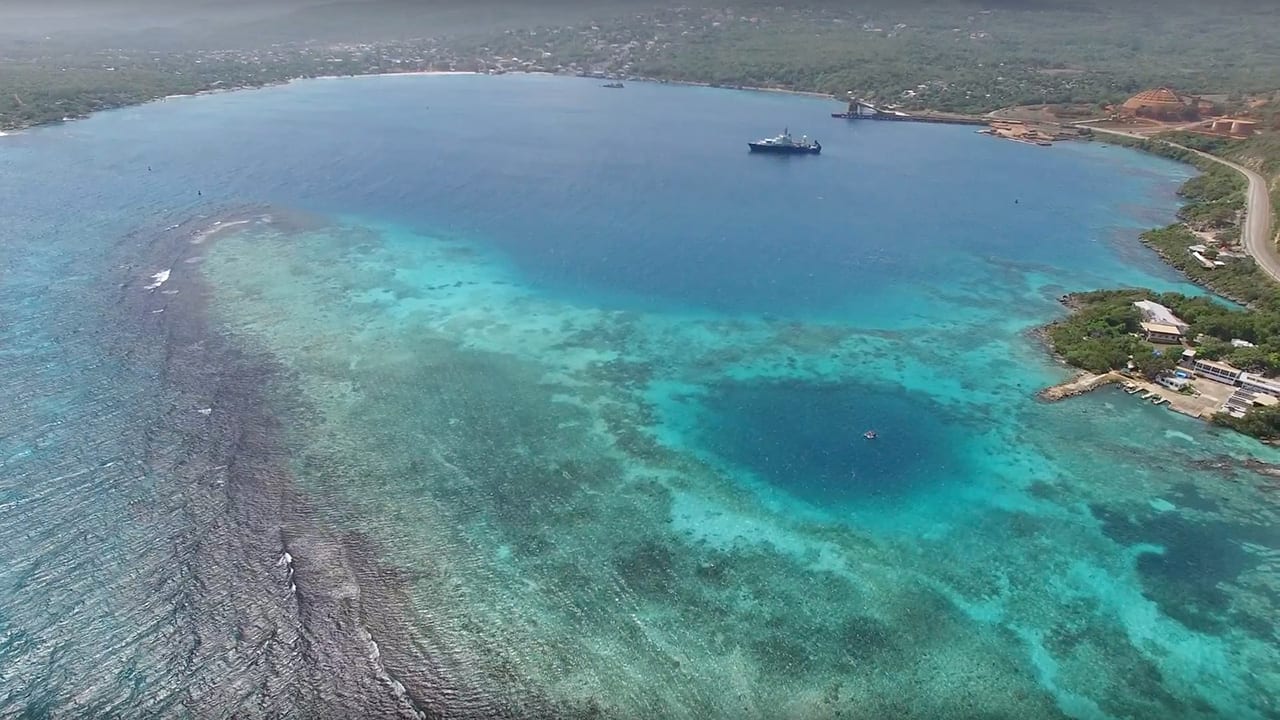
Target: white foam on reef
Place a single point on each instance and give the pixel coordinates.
(158, 279)
(216, 227)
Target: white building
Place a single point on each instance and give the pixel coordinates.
(1258, 384)
(1159, 314)
(1221, 372)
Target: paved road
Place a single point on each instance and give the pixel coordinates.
(1256, 234)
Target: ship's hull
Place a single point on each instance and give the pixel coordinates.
(785, 149)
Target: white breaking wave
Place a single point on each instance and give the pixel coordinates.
(218, 226)
(158, 279)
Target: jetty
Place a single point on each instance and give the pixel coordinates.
(1195, 405)
(1079, 385)
(863, 110)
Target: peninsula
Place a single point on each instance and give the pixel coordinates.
(1198, 356)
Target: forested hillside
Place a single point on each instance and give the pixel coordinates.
(959, 56)
(952, 56)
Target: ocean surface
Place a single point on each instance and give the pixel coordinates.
(517, 397)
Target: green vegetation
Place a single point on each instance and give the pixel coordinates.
(1239, 279)
(1161, 146)
(1215, 199)
(945, 56)
(72, 85)
(1104, 333)
(955, 56)
(1262, 423)
(1262, 153)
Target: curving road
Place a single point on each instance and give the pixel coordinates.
(1255, 233)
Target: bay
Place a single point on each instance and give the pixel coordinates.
(556, 395)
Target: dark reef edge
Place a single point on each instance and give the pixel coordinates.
(287, 615)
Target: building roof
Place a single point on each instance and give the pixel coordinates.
(1217, 366)
(1162, 329)
(1265, 400)
(1157, 313)
(1263, 382)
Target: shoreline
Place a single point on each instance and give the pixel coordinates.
(12, 130)
(1164, 258)
(1258, 235)
(716, 86)
(926, 116)
(408, 73)
(1041, 332)
(1083, 381)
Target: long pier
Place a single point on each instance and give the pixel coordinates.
(891, 117)
(862, 110)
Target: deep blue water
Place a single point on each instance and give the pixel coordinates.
(808, 439)
(620, 197)
(557, 394)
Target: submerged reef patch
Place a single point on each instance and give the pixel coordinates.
(637, 514)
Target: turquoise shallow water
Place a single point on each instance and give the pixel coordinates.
(513, 396)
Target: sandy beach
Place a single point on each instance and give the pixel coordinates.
(410, 73)
(746, 88)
